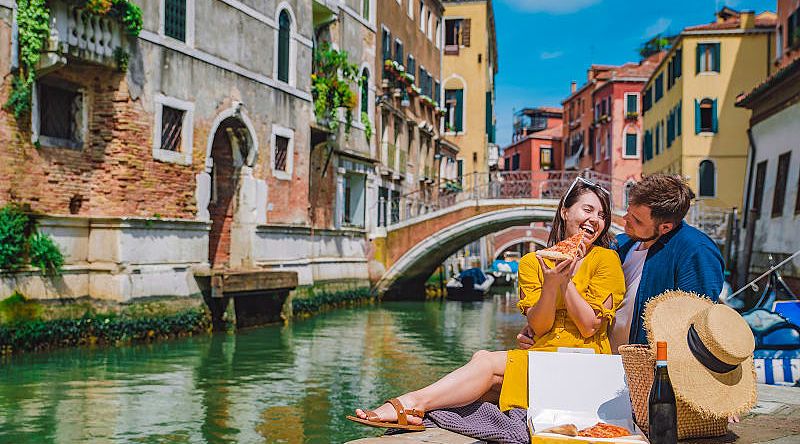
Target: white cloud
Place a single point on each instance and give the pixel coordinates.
(551, 6)
(547, 55)
(660, 25)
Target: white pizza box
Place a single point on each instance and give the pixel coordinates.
(581, 389)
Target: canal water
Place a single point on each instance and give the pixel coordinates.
(289, 384)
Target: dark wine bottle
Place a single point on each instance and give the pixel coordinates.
(663, 414)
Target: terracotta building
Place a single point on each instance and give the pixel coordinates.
(536, 141)
(602, 123)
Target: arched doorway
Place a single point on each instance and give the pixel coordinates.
(231, 150)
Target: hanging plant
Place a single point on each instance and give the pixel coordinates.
(367, 125)
(33, 24)
(331, 87)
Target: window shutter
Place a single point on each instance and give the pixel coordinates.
(715, 54)
(465, 32)
(698, 54)
(714, 126)
(489, 115)
(679, 123)
(459, 109)
(696, 117)
(678, 62)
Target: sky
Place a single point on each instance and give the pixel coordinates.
(543, 45)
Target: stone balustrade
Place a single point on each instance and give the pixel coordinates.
(78, 33)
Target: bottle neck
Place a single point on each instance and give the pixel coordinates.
(661, 364)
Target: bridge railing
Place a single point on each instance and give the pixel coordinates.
(497, 185)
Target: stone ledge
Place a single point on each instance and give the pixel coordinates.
(774, 420)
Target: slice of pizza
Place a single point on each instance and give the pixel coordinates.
(564, 250)
(603, 430)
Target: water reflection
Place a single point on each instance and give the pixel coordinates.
(287, 384)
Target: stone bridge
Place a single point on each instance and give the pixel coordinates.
(411, 250)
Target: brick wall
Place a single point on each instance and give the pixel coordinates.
(114, 174)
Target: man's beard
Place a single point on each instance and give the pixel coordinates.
(655, 236)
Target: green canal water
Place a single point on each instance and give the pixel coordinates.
(289, 384)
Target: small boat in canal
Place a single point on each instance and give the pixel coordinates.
(471, 285)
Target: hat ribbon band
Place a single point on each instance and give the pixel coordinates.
(704, 355)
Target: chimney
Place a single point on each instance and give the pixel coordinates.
(747, 19)
(573, 86)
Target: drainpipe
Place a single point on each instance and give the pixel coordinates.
(748, 216)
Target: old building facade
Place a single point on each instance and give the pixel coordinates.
(691, 124)
(771, 212)
(195, 158)
(469, 69)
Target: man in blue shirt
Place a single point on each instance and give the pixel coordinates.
(660, 252)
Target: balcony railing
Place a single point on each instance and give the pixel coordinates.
(83, 35)
(509, 185)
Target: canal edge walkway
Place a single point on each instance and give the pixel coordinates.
(774, 420)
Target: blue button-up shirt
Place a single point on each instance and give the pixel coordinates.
(683, 259)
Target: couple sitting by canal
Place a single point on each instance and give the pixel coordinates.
(580, 303)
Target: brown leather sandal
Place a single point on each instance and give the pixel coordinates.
(402, 420)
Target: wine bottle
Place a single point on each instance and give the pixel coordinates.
(663, 414)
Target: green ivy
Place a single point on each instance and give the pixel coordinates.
(330, 86)
(15, 227)
(99, 329)
(33, 23)
(367, 125)
(129, 14)
(45, 254)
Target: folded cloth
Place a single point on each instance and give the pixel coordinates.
(484, 421)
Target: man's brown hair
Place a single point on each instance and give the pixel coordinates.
(667, 196)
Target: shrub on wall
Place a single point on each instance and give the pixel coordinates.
(19, 242)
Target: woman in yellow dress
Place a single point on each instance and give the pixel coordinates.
(569, 304)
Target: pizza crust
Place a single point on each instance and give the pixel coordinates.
(554, 255)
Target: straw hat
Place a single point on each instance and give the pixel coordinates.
(709, 352)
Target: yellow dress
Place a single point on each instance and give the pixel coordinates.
(599, 276)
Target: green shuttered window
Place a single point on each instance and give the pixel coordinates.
(284, 31)
(175, 19)
(708, 57)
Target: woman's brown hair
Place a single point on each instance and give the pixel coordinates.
(559, 231)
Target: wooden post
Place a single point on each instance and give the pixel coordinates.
(743, 271)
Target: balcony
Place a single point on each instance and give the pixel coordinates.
(82, 35)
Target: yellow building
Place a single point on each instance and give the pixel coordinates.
(691, 125)
(469, 65)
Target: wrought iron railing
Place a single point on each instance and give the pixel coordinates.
(502, 185)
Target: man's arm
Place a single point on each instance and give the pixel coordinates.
(702, 271)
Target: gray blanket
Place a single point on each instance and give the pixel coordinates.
(482, 420)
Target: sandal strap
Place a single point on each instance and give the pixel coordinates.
(401, 411)
(371, 415)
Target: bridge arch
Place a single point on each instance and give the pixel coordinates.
(409, 272)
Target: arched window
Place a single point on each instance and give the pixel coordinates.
(707, 179)
(364, 94)
(284, 32)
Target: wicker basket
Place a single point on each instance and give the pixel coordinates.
(639, 362)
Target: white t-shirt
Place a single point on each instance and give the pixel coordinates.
(632, 269)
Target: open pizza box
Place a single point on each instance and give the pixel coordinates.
(581, 389)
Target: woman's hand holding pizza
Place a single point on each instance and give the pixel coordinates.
(559, 275)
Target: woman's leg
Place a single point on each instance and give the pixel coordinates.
(463, 386)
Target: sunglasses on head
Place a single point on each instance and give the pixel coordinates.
(586, 182)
